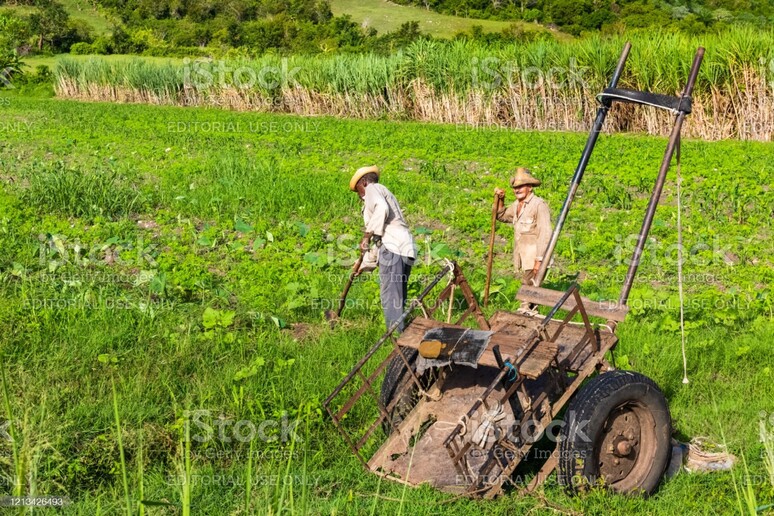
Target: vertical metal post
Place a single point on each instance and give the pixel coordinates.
(659, 186)
(581, 168)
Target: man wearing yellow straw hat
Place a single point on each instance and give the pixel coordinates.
(531, 221)
(386, 227)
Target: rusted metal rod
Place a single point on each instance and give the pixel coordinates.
(659, 186)
(389, 332)
(581, 168)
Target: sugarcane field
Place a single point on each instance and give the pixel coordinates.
(411, 257)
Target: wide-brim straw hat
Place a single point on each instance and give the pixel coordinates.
(524, 177)
(360, 173)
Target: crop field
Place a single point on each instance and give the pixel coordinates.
(165, 271)
(543, 85)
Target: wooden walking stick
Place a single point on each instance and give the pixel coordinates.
(491, 250)
(330, 315)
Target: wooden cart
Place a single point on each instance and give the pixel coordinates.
(515, 398)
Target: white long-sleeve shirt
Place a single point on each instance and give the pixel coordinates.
(383, 217)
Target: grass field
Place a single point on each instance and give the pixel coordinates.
(387, 16)
(159, 260)
(51, 61)
(78, 10)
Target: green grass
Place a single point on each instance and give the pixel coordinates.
(89, 13)
(387, 16)
(51, 61)
(207, 296)
(82, 10)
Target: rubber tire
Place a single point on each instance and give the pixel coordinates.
(394, 378)
(594, 403)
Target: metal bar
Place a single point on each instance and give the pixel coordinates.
(408, 367)
(523, 449)
(577, 350)
(491, 250)
(461, 453)
(464, 316)
(368, 433)
(659, 186)
(591, 365)
(441, 298)
(589, 328)
(470, 297)
(389, 332)
(375, 395)
(581, 168)
(559, 304)
(348, 440)
(512, 389)
(563, 324)
(367, 381)
(546, 470)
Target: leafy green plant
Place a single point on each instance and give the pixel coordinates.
(80, 193)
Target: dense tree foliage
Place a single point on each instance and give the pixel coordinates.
(577, 16)
(253, 27)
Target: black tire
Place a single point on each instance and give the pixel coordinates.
(617, 432)
(395, 378)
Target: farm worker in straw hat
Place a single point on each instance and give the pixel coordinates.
(386, 227)
(531, 221)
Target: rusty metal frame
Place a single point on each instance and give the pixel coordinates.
(457, 447)
(455, 443)
(337, 414)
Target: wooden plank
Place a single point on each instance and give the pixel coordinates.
(412, 335)
(609, 310)
(501, 320)
(512, 341)
(531, 362)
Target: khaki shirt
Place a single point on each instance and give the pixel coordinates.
(383, 217)
(531, 231)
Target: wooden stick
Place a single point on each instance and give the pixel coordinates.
(491, 250)
(451, 301)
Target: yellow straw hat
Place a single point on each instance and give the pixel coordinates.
(523, 177)
(360, 173)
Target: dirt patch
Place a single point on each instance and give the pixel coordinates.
(302, 331)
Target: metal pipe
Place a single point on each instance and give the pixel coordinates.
(371, 352)
(581, 168)
(659, 186)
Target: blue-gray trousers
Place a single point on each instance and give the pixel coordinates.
(394, 271)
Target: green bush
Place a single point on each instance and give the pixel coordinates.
(82, 49)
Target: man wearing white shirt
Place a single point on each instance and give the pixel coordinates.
(386, 227)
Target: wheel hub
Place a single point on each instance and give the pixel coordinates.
(620, 445)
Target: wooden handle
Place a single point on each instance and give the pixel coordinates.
(491, 249)
(352, 275)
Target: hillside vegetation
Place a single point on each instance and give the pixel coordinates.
(577, 16)
(386, 16)
(254, 27)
